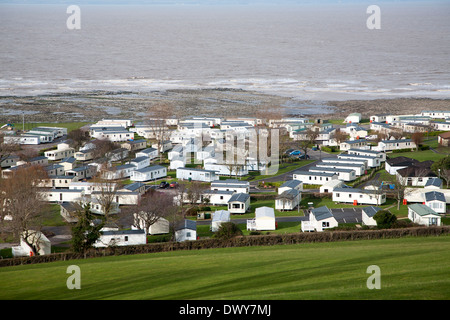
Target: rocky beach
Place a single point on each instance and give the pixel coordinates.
(223, 102)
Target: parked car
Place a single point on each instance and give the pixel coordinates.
(174, 184)
(295, 153)
(288, 151)
(303, 156)
(163, 185)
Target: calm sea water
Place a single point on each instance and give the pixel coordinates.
(305, 51)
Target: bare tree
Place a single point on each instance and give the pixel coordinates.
(158, 113)
(78, 138)
(339, 136)
(103, 147)
(309, 139)
(152, 207)
(417, 138)
(105, 193)
(23, 204)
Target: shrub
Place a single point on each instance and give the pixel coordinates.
(384, 219)
(228, 230)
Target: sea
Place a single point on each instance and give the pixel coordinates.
(309, 50)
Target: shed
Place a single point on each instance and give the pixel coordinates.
(186, 230)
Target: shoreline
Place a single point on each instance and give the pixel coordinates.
(217, 102)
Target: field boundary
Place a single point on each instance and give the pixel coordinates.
(240, 241)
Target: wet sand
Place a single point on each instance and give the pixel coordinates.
(94, 106)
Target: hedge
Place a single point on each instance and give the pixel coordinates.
(240, 241)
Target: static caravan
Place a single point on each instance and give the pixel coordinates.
(353, 118)
(61, 195)
(177, 162)
(217, 197)
(119, 172)
(343, 174)
(56, 182)
(264, 220)
(121, 238)
(160, 226)
(54, 169)
(288, 200)
(84, 155)
(357, 196)
(434, 183)
(436, 201)
(367, 215)
(135, 187)
(116, 135)
(149, 173)
(62, 151)
(390, 145)
(80, 173)
(371, 153)
(357, 167)
(218, 218)
(140, 162)
(68, 163)
(226, 170)
(133, 145)
(372, 162)
(9, 161)
(423, 215)
(152, 153)
(231, 185)
(26, 139)
(319, 219)
(193, 174)
(330, 186)
(349, 144)
(350, 161)
(291, 184)
(315, 178)
(239, 203)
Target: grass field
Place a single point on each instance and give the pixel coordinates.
(410, 268)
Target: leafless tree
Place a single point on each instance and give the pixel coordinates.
(78, 138)
(23, 204)
(152, 207)
(158, 113)
(103, 147)
(106, 192)
(309, 139)
(417, 138)
(339, 136)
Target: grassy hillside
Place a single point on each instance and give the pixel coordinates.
(411, 268)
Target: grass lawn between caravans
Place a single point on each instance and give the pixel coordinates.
(410, 268)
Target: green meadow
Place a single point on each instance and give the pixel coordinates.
(410, 268)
